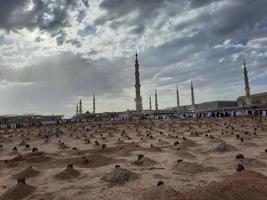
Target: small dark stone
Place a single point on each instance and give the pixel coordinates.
(21, 180)
(140, 156)
(239, 156)
(70, 166)
(117, 166)
(85, 161)
(240, 168)
(34, 149)
(160, 183)
(179, 160)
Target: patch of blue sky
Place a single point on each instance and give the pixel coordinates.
(3, 40)
(88, 30)
(240, 41)
(261, 25)
(260, 81)
(82, 14)
(86, 3)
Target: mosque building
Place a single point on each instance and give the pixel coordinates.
(258, 100)
(255, 100)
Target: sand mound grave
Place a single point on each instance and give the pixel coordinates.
(91, 161)
(188, 143)
(119, 176)
(68, 173)
(223, 148)
(253, 163)
(153, 148)
(162, 142)
(162, 192)
(62, 145)
(143, 161)
(18, 158)
(18, 192)
(243, 185)
(192, 167)
(27, 173)
(36, 157)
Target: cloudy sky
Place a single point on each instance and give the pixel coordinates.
(54, 52)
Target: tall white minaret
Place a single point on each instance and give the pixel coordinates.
(150, 103)
(80, 107)
(247, 88)
(177, 97)
(138, 98)
(156, 101)
(192, 95)
(93, 103)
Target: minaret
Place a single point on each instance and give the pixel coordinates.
(138, 98)
(150, 103)
(156, 101)
(192, 96)
(247, 89)
(80, 107)
(93, 103)
(177, 96)
(77, 109)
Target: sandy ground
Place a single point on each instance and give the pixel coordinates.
(186, 155)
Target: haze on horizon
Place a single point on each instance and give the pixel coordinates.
(52, 53)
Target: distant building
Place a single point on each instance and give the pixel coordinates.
(254, 100)
(216, 105)
(257, 100)
(206, 106)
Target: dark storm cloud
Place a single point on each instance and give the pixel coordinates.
(56, 81)
(82, 74)
(233, 16)
(61, 38)
(232, 19)
(48, 15)
(74, 42)
(239, 16)
(138, 29)
(118, 10)
(200, 3)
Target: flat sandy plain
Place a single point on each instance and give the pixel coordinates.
(192, 159)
